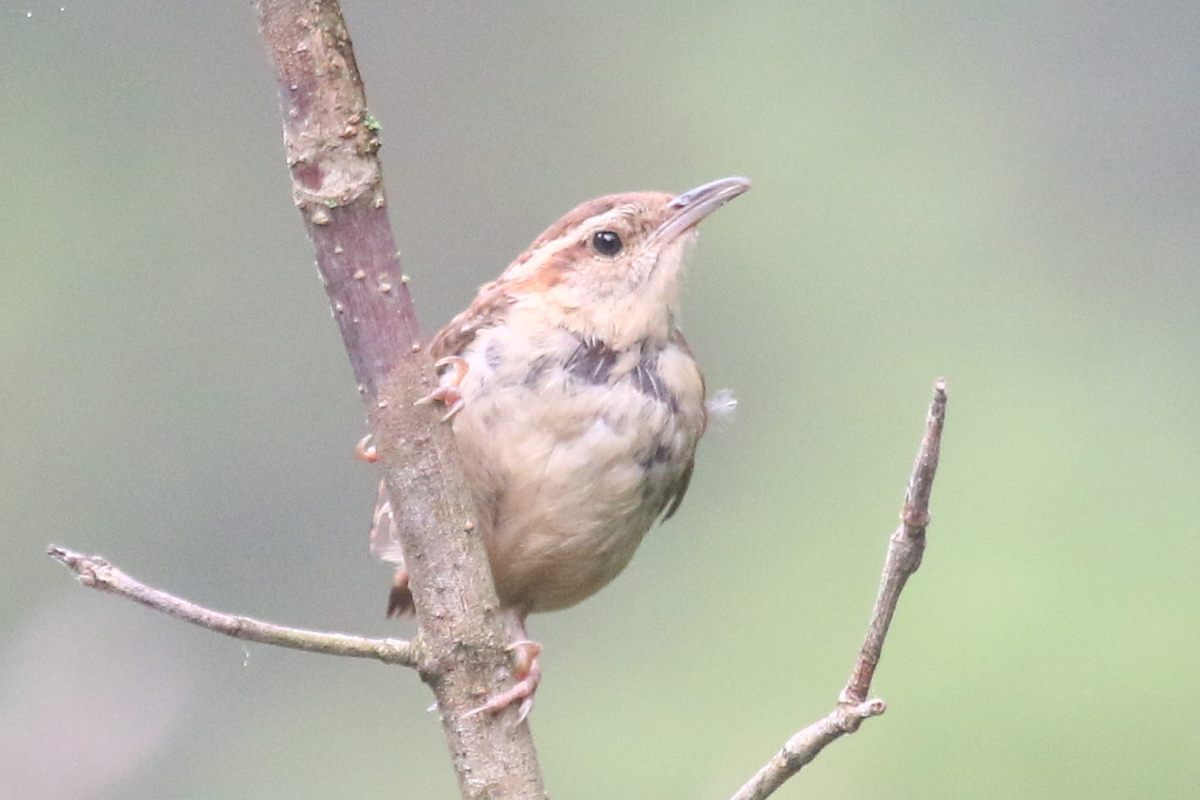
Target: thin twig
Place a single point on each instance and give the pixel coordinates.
(905, 548)
(97, 573)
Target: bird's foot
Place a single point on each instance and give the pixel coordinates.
(448, 393)
(365, 449)
(528, 673)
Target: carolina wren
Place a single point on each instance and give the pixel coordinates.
(576, 405)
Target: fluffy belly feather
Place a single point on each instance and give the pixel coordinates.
(574, 470)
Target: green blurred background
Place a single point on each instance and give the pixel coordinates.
(1006, 194)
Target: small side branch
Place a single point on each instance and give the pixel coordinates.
(96, 573)
(905, 548)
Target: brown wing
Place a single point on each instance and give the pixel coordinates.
(677, 490)
(486, 310)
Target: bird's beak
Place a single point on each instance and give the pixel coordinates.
(689, 208)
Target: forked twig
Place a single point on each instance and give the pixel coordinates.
(905, 548)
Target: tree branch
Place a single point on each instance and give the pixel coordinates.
(95, 572)
(332, 143)
(905, 548)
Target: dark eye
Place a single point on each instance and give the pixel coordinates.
(607, 243)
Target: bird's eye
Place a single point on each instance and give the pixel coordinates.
(607, 243)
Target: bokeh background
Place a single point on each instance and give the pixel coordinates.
(1004, 194)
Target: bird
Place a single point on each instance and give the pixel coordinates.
(576, 405)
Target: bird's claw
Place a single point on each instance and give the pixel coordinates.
(528, 673)
(448, 393)
(365, 449)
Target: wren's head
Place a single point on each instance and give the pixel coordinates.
(611, 267)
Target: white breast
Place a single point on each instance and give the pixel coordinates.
(574, 457)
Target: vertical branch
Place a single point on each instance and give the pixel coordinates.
(905, 549)
(332, 143)
(337, 182)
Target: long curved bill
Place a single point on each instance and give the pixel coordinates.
(689, 208)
